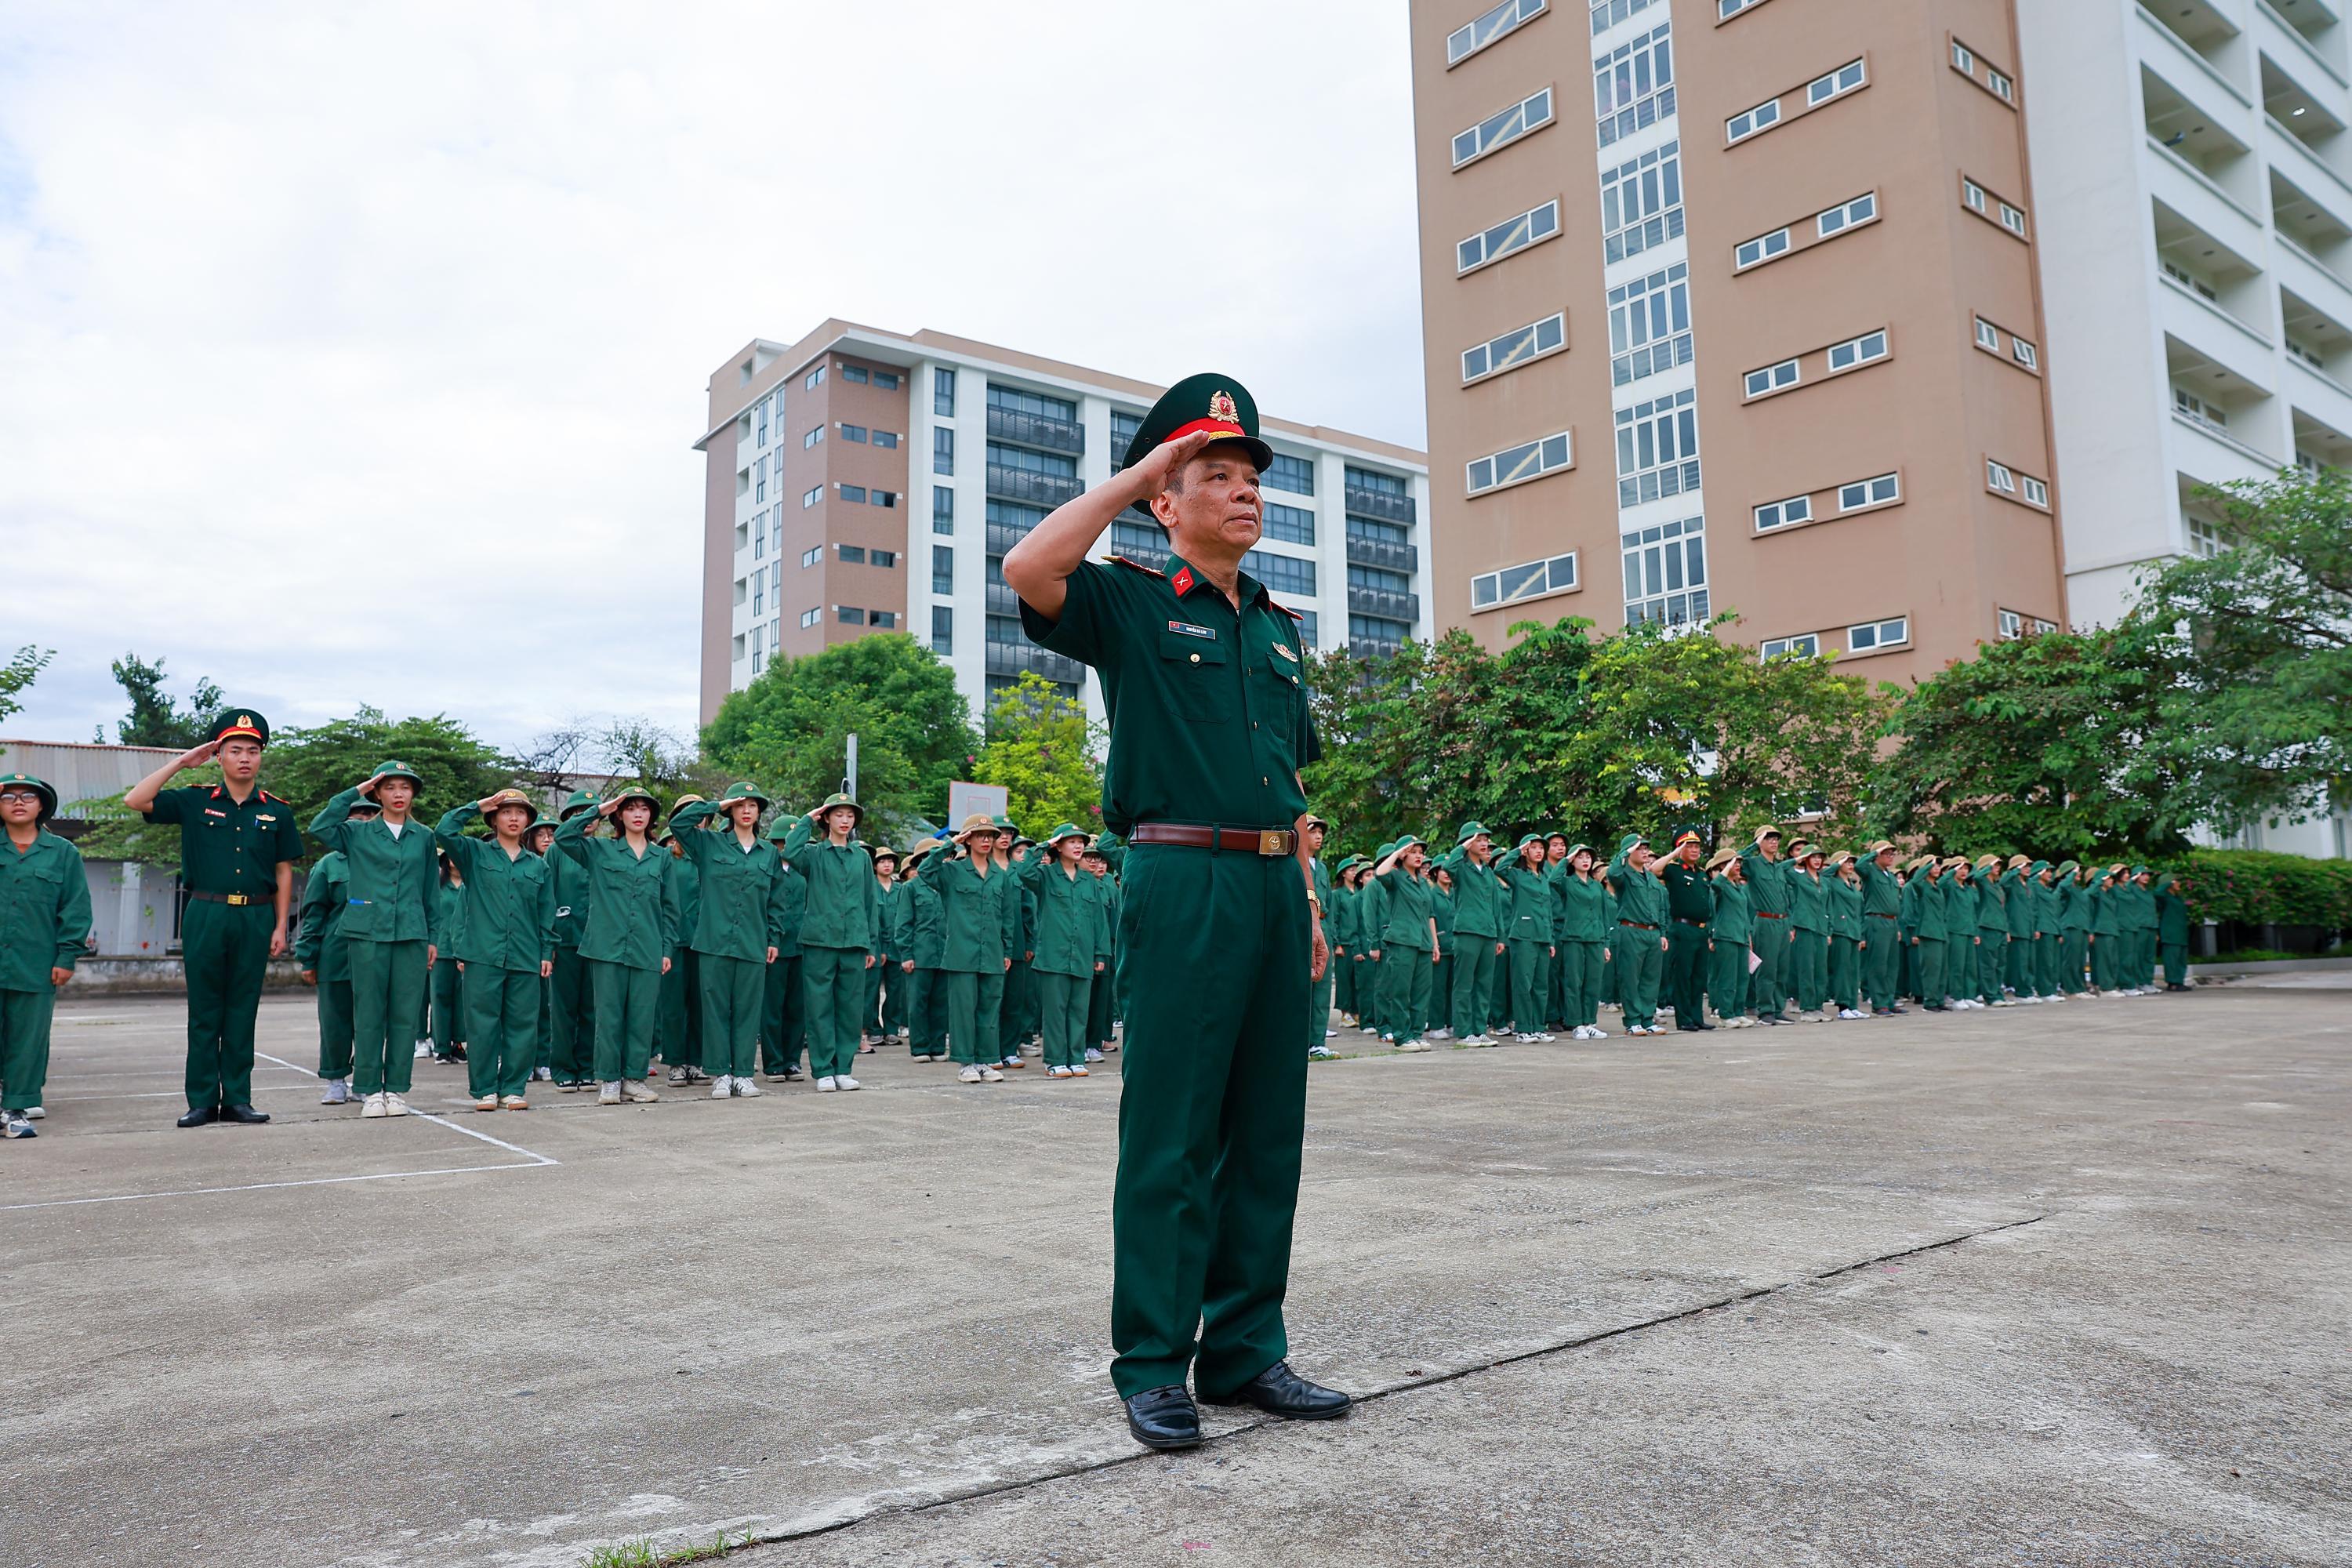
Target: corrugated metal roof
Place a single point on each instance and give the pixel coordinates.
(82, 770)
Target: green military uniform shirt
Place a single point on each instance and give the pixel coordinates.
(1582, 908)
(1881, 894)
(1767, 882)
(633, 909)
(508, 918)
(1527, 904)
(392, 878)
(1641, 898)
(1478, 906)
(739, 905)
(1069, 912)
(1807, 903)
(226, 847)
(840, 912)
(318, 945)
(1843, 901)
(1730, 922)
(1407, 908)
(970, 914)
(44, 911)
(1687, 894)
(1207, 703)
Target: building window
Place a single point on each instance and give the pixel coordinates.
(887, 439)
(1515, 347)
(887, 620)
(811, 496)
(811, 555)
(1781, 514)
(1468, 39)
(1607, 14)
(1771, 378)
(1863, 493)
(815, 434)
(1988, 335)
(1307, 635)
(943, 391)
(2205, 539)
(1372, 531)
(1037, 403)
(851, 554)
(1998, 476)
(1283, 574)
(1527, 580)
(760, 536)
(942, 629)
(759, 481)
(887, 558)
(1857, 352)
(813, 379)
(1633, 85)
(1140, 541)
(1123, 426)
(883, 498)
(1295, 474)
(853, 433)
(1972, 194)
(942, 569)
(758, 600)
(2197, 411)
(1665, 574)
(1658, 448)
(809, 617)
(1862, 209)
(849, 615)
(1031, 462)
(2010, 625)
(1516, 465)
(1740, 127)
(942, 450)
(1531, 113)
(1642, 203)
(886, 380)
(776, 532)
(1962, 61)
(2001, 86)
(856, 373)
(1290, 524)
(756, 659)
(1762, 248)
(1835, 84)
(764, 422)
(942, 510)
(1878, 634)
(1649, 325)
(2013, 220)
(1726, 10)
(1379, 580)
(1535, 224)
(1806, 647)
(853, 492)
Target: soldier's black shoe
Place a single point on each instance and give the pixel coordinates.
(1279, 1390)
(199, 1116)
(1164, 1418)
(244, 1113)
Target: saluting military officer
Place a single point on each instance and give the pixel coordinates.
(238, 844)
(1219, 939)
(44, 920)
(1882, 910)
(1690, 915)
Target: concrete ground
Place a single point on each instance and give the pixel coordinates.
(2052, 1285)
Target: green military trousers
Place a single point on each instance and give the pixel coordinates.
(2102, 949)
(2017, 965)
(1726, 979)
(1845, 971)
(1062, 1002)
(571, 1035)
(1768, 985)
(2042, 964)
(1640, 964)
(1686, 973)
(1404, 989)
(387, 978)
(1342, 970)
(547, 1025)
(2175, 962)
(974, 1002)
(680, 1034)
(334, 1029)
(1530, 966)
(832, 982)
(1931, 955)
(1808, 971)
(927, 1013)
(448, 985)
(25, 1044)
(1212, 1116)
(224, 950)
(628, 1010)
(1881, 962)
(869, 1020)
(2144, 957)
(783, 1028)
(501, 1028)
(2074, 960)
(1472, 985)
(1580, 965)
(1102, 1002)
(1992, 962)
(733, 992)
(1319, 1002)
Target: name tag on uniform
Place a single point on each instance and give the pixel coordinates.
(1186, 628)
(210, 812)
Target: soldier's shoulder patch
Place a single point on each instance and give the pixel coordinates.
(273, 799)
(1298, 616)
(1136, 566)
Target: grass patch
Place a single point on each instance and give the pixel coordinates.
(641, 1553)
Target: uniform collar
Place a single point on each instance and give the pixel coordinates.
(1187, 582)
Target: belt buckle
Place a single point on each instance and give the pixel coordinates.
(1269, 842)
(238, 900)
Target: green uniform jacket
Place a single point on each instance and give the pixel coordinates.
(570, 897)
(791, 901)
(1923, 898)
(391, 877)
(2171, 917)
(633, 909)
(509, 905)
(1441, 912)
(1371, 913)
(926, 932)
(1881, 893)
(1992, 909)
(449, 917)
(1069, 916)
(2142, 907)
(1479, 907)
(226, 848)
(1319, 877)
(739, 908)
(2022, 901)
(1767, 882)
(971, 914)
(1641, 898)
(840, 889)
(44, 911)
(2074, 905)
(1809, 907)
(1844, 908)
(1106, 941)
(1342, 905)
(1529, 902)
(319, 945)
(1405, 901)
(897, 905)
(1732, 922)
(1688, 897)
(1584, 910)
(2103, 910)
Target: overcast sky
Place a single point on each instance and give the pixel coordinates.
(352, 354)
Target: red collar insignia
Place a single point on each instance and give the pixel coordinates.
(1182, 581)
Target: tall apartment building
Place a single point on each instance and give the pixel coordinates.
(862, 480)
(1732, 305)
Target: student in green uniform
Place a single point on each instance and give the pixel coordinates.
(238, 844)
(927, 1029)
(736, 929)
(885, 987)
(1843, 887)
(1408, 942)
(1956, 881)
(1729, 931)
(1924, 932)
(1363, 972)
(678, 1038)
(2019, 907)
(44, 921)
(1580, 926)
(1478, 945)
(835, 929)
(2073, 899)
(1768, 905)
(445, 1028)
(1320, 994)
(784, 1011)
(1640, 946)
(392, 864)
(1526, 905)
(325, 964)
(572, 1026)
(538, 841)
(633, 923)
(1014, 904)
(1102, 1003)
(1339, 929)
(1993, 933)
(506, 940)
(1882, 935)
(974, 960)
(1069, 913)
(2172, 931)
(1809, 932)
(1441, 975)
(1690, 919)
(2142, 907)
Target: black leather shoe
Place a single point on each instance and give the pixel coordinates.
(1279, 1390)
(1704, 1028)
(1164, 1418)
(244, 1113)
(199, 1116)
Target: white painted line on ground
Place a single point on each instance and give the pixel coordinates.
(444, 1121)
(268, 1186)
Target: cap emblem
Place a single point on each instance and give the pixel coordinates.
(1223, 408)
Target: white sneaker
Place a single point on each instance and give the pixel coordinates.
(1413, 1045)
(34, 1113)
(338, 1093)
(486, 1102)
(2005, 1002)
(424, 1048)
(1094, 1053)
(373, 1107)
(969, 1075)
(394, 1105)
(744, 1089)
(542, 1075)
(636, 1093)
(990, 1074)
(609, 1093)
(723, 1086)
(1848, 1013)
(1058, 1072)
(845, 1081)
(1330, 1034)
(827, 1085)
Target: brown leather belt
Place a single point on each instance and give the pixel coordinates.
(1769, 915)
(1874, 914)
(1637, 925)
(1683, 921)
(239, 900)
(1267, 841)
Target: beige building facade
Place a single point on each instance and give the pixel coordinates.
(1733, 305)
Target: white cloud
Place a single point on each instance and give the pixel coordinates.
(353, 354)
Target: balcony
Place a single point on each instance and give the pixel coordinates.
(2320, 445)
(2236, 420)
(1379, 504)
(1382, 553)
(2298, 111)
(1371, 647)
(1038, 489)
(1002, 600)
(1387, 605)
(2215, 150)
(1018, 657)
(2198, 44)
(1003, 536)
(1040, 430)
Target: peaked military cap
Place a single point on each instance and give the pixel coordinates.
(1687, 835)
(42, 788)
(241, 724)
(1209, 402)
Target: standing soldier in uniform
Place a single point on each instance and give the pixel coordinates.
(734, 931)
(973, 961)
(783, 1016)
(1201, 674)
(2073, 927)
(1731, 930)
(1319, 995)
(1526, 912)
(1881, 916)
(571, 1034)
(1843, 887)
(919, 969)
(1478, 937)
(44, 920)
(679, 1033)
(1640, 939)
(834, 930)
(1690, 916)
(326, 964)
(1102, 1005)
(238, 844)
(539, 840)
(2172, 931)
(633, 920)
(1069, 913)
(1768, 903)
(1409, 930)
(392, 862)
(2019, 905)
(507, 943)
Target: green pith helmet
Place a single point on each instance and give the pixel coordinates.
(579, 800)
(2165, 882)
(42, 788)
(839, 799)
(1211, 401)
(2138, 871)
(2037, 867)
(1631, 842)
(1470, 830)
(241, 725)
(398, 770)
(1384, 852)
(1407, 842)
(2068, 867)
(739, 791)
(1576, 849)
(1347, 864)
(635, 792)
(781, 829)
(1068, 830)
(1537, 839)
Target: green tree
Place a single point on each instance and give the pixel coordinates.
(789, 729)
(155, 720)
(18, 673)
(1046, 755)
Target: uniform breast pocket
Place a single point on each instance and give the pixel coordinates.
(1198, 675)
